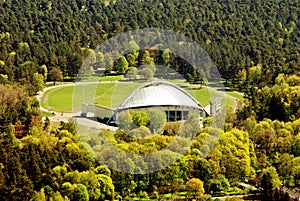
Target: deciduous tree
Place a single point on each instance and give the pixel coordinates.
(55, 75)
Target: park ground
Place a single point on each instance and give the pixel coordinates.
(111, 93)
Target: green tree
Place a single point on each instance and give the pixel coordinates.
(38, 82)
(100, 59)
(44, 71)
(147, 59)
(107, 188)
(132, 58)
(39, 196)
(86, 71)
(133, 46)
(191, 125)
(140, 118)
(147, 73)
(58, 197)
(80, 193)
(140, 132)
(233, 199)
(15, 101)
(219, 184)
(270, 182)
(132, 73)
(166, 57)
(3, 79)
(124, 120)
(108, 62)
(122, 65)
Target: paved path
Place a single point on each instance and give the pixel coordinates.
(231, 196)
(223, 93)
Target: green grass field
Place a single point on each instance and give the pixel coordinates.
(46, 114)
(111, 78)
(58, 99)
(112, 95)
(105, 94)
(235, 94)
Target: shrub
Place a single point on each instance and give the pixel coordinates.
(171, 128)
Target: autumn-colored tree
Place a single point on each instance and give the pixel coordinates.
(55, 75)
(194, 188)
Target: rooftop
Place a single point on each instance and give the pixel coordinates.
(159, 93)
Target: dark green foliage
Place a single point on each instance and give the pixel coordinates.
(251, 42)
(236, 34)
(15, 184)
(270, 183)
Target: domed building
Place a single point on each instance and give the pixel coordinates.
(170, 98)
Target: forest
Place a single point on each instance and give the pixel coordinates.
(255, 46)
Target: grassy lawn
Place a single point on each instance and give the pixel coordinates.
(112, 95)
(58, 99)
(47, 114)
(235, 94)
(112, 78)
(204, 95)
(120, 93)
(201, 95)
(105, 94)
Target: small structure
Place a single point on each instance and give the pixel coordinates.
(215, 105)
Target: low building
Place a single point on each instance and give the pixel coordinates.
(162, 95)
(170, 98)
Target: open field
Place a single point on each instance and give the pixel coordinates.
(58, 99)
(111, 78)
(235, 94)
(105, 94)
(112, 94)
(47, 114)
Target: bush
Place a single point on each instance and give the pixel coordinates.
(140, 133)
(158, 120)
(171, 128)
(140, 118)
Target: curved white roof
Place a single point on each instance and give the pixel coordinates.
(159, 93)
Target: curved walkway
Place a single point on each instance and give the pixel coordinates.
(223, 93)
